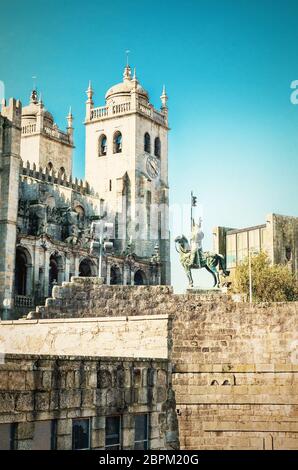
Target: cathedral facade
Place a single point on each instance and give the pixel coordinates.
(112, 225)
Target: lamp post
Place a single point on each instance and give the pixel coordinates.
(100, 232)
(250, 252)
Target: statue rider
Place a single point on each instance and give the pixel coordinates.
(197, 236)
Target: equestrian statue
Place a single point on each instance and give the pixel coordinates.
(193, 257)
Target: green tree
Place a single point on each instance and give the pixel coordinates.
(269, 283)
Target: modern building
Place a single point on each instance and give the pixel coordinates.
(278, 237)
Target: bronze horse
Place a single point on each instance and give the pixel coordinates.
(207, 260)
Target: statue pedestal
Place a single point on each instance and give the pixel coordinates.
(207, 293)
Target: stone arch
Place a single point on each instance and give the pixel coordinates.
(116, 277)
(79, 209)
(147, 142)
(117, 142)
(23, 271)
(56, 270)
(157, 147)
(87, 268)
(102, 145)
(61, 171)
(140, 278)
(226, 382)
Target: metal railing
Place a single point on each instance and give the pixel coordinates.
(23, 301)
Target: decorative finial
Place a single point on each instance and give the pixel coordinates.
(34, 82)
(127, 73)
(164, 97)
(33, 97)
(89, 92)
(40, 99)
(134, 74)
(127, 69)
(69, 119)
(127, 52)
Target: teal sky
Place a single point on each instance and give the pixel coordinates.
(227, 66)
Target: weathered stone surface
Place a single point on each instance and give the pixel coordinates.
(101, 398)
(121, 337)
(235, 375)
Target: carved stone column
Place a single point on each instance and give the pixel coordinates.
(108, 273)
(46, 272)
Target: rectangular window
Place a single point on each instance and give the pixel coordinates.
(242, 248)
(7, 433)
(263, 238)
(113, 432)
(231, 251)
(54, 435)
(81, 434)
(254, 240)
(141, 432)
(44, 437)
(110, 185)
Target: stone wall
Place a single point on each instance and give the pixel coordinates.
(236, 375)
(89, 297)
(135, 336)
(36, 391)
(235, 365)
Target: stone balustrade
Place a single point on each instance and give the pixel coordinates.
(29, 129)
(103, 112)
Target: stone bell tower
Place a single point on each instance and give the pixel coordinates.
(43, 144)
(127, 164)
(10, 138)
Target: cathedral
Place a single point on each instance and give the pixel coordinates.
(114, 224)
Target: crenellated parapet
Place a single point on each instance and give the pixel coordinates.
(55, 177)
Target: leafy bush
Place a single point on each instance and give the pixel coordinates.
(269, 283)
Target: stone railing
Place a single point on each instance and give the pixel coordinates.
(57, 134)
(153, 114)
(51, 131)
(103, 112)
(29, 129)
(100, 112)
(107, 111)
(23, 301)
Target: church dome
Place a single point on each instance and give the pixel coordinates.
(30, 111)
(124, 89)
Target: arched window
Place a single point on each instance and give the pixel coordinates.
(102, 145)
(115, 276)
(157, 146)
(22, 271)
(49, 166)
(86, 268)
(62, 171)
(147, 145)
(56, 271)
(214, 382)
(81, 212)
(139, 278)
(117, 142)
